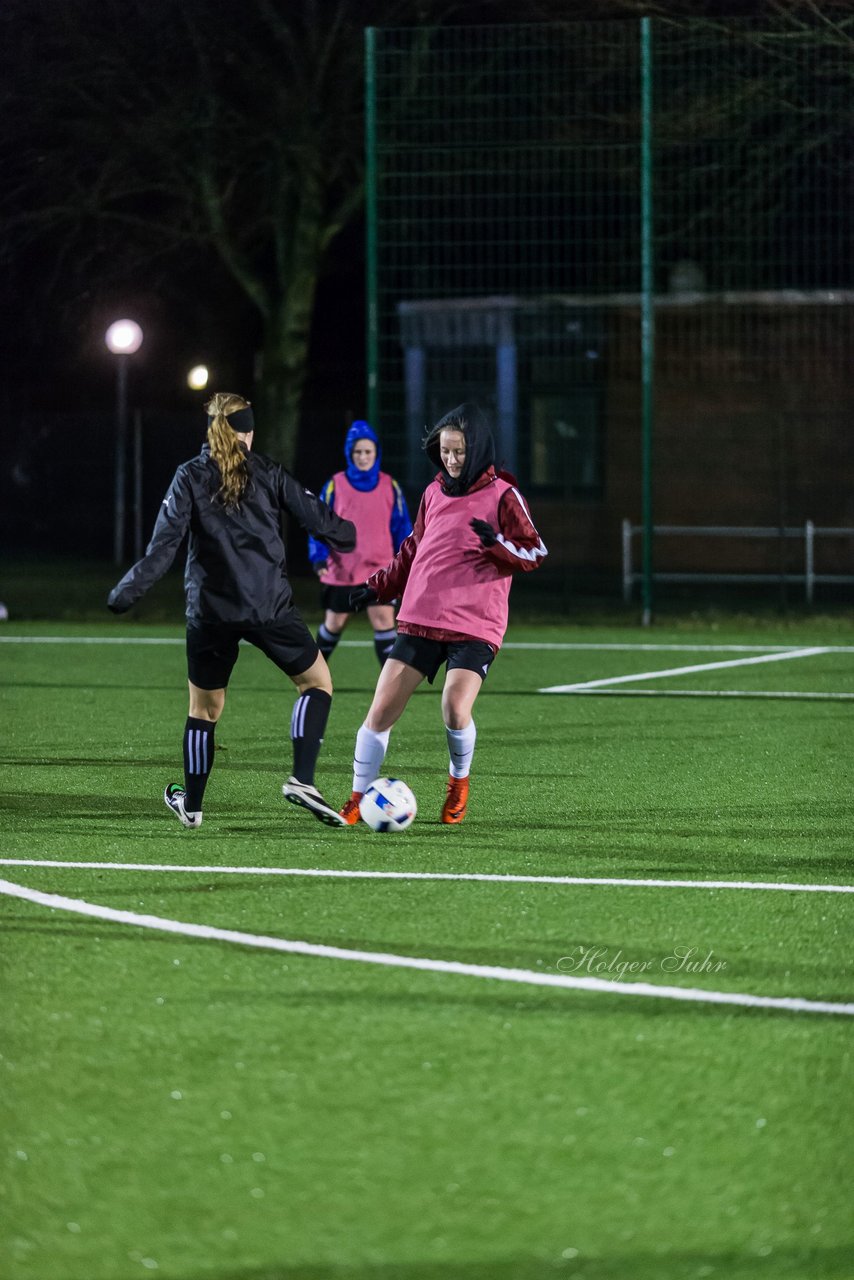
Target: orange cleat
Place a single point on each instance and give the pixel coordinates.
(456, 800)
(350, 810)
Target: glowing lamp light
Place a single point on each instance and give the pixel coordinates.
(124, 337)
(197, 378)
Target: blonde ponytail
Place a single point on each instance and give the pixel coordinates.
(225, 448)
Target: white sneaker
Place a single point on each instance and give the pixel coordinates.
(174, 796)
(308, 797)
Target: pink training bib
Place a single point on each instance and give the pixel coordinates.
(453, 585)
(371, 514)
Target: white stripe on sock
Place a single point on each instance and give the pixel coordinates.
(298, 716)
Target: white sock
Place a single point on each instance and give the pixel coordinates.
(368, 758)
(461, 747)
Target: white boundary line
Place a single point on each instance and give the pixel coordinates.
(329, 873)
(510, 644)
(88, 640)
(774, 652)
(669, 648)
(684, 671)
(791, 1004)
(806, 696)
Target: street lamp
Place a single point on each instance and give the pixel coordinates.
(197, 378)
(123, 338)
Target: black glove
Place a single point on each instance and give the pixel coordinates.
(361, 597)
(484, 530)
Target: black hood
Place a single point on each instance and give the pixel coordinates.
(480, 446)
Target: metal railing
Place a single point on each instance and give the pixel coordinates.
(808, 532)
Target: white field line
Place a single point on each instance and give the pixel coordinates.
(672, 648)
(684, 671)
(790, 1004)
(510, 644)
(710, 693)
(86, 640)
(329, 873)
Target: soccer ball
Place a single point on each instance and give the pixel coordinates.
(388, 805)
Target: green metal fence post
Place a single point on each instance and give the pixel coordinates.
(372, 318)
(647, 334)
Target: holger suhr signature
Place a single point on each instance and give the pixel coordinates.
(595, 961)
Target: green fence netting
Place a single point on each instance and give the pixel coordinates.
(508, 169)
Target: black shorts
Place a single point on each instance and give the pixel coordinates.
(212, 648)
(337, 599)
(427, 656)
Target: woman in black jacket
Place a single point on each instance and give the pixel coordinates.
(230, 501)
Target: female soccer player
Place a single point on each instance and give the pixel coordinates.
(231, 501)
(472, 532)
(376, 505)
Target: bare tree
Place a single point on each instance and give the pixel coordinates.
(144, 134)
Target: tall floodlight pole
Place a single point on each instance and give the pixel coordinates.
(123, 338)
(647, 313)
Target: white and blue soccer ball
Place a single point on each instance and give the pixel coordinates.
(388, 805)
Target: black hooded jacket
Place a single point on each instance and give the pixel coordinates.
(470, 419)
(236, 570)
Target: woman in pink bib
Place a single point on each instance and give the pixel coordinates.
(473, 531)
(375, 503)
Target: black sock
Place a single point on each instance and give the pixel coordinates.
(308, 724)
(383, 644)
(198, 760)
(326, 639)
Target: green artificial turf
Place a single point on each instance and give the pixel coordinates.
(198, 1110)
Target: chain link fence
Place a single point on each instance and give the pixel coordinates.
(508, 169)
